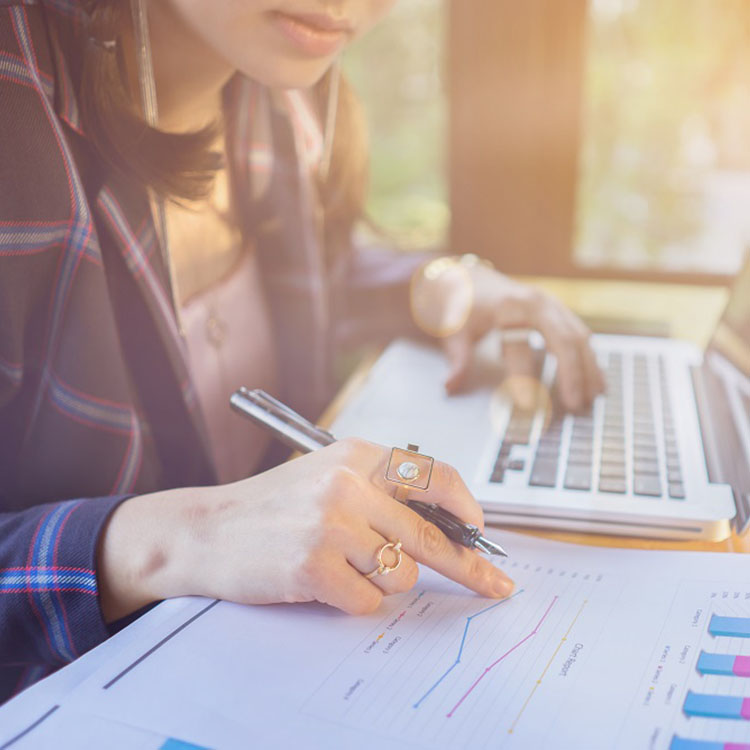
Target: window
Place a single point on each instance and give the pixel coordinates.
(587, 137)
(665, 152)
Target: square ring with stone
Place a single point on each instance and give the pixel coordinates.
(409, 468)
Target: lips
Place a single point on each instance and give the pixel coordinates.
(313, 34)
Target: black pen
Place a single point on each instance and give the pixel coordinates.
(298, 433)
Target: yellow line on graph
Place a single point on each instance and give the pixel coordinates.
(541, 676)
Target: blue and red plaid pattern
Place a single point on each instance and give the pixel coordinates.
(27, 580)
(45, 601)
(96, 400)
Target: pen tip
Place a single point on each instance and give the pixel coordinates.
(491, 548)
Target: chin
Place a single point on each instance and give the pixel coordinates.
(288, 74)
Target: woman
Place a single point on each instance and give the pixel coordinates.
(121, 473)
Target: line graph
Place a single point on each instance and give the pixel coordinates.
(541, 676)
(499, 659)
(463, 643)
(425, 678)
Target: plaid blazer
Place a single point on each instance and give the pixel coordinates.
(96, 400)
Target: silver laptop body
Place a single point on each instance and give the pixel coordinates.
(664, 453)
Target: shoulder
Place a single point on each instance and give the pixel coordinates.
(36, 155)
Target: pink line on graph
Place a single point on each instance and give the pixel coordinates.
(498, 660)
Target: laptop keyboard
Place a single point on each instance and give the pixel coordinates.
(613, 451)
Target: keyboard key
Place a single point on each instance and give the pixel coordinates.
(674, 476)
(543, 473)
(611, 484)
(612, 470)
(582, 433)
(516, 464)
(548, 450)
(577, 478)
(677, 490)
(643, 468)
(498, 475)
(553, 430)
(647, 485)
(581, 444)
(616, 457)
(580, 458)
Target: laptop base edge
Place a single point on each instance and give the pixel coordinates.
(710, 531)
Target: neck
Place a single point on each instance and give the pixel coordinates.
(189, 75)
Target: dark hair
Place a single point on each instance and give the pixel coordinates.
(182, 166)
(174, 165)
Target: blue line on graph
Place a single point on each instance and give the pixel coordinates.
(463, 643)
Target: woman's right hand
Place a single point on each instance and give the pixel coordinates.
(307, 530)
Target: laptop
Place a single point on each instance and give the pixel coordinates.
(665, 452)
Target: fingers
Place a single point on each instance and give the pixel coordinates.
(595, 381)
(561, 342)
(446, 486)
(427, 544)
(521, 379)
(458, 349)
(337, 583)
(578, 375)
(360, 515)
(363, 555)
(449, 490)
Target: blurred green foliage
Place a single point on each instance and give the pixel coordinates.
(397, 71)
(666, 110)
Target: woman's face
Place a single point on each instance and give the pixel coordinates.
(281, 43)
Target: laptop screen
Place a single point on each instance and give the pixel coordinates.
(732, 334)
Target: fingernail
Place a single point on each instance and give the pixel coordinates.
(502, 585)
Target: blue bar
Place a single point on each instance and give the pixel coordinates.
(713, 706)
(734, 627)
(716, 663)
(173, 744)
(679, 744)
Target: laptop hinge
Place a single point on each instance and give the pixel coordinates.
(742, 520)
(717, 419)
(703, 397)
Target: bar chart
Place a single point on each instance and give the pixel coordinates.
(720, 697)
(726, 664)
(717, 706)
(730, 627)
(680, 743)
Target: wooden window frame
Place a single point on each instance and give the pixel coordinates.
(515, 88)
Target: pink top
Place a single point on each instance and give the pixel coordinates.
(229, 341)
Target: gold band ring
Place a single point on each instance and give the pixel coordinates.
(383, 569)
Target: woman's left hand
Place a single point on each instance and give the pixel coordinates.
(498, 302)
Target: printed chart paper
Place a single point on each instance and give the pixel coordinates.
(596, 648)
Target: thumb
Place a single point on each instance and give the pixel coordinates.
(458, 350)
